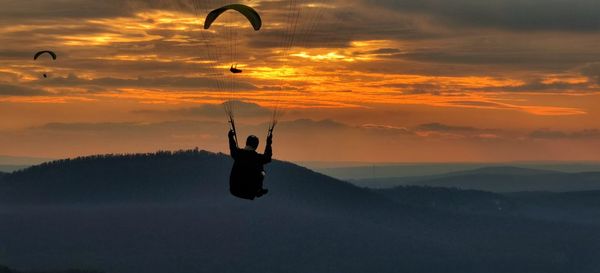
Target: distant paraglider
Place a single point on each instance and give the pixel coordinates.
(250, 14)
(40, 53)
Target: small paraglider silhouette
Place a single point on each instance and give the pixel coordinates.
(40, 53)
(248, 12)
(235, 70)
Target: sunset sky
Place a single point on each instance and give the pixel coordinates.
(371, 80)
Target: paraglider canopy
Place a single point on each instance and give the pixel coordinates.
(40, 53)
(247, 11)
(52, 54)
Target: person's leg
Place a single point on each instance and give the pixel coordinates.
(262, 178)
(261, 191)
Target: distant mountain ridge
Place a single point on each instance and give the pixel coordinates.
(504, 170)
(21, 160)
(11, 168)
(13, 163)
(496, 179)
(387, 170)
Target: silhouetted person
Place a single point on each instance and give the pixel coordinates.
(248, 173)
(235, 70)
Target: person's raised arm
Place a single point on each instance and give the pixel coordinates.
(268, 149)
(233, 148)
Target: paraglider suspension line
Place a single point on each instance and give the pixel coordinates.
(274, 121)
(229, 113)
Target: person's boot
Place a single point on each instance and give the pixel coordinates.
(262, 192)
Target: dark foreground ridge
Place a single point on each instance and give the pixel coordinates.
(172, 212)
(162, 177)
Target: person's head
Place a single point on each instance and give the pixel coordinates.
(252, 142)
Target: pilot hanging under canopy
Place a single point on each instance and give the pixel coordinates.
(248, 172)
(235, 70)
(248, 12)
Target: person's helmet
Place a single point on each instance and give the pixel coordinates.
(252, 141)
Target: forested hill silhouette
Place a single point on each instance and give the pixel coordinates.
(181, 176)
